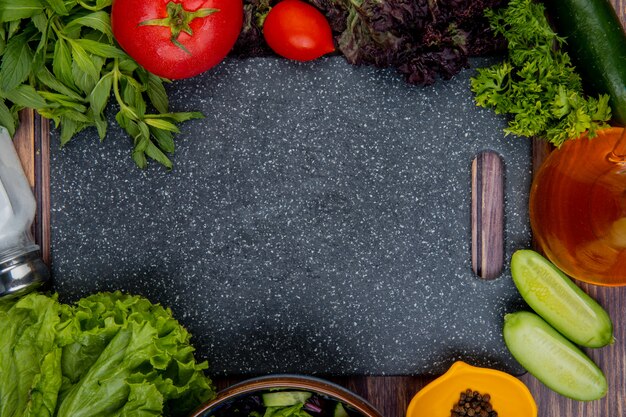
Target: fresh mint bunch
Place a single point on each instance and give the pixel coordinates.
(536, 84)
(59, 57)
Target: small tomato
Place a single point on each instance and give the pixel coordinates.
(296, 30)
(177, 38)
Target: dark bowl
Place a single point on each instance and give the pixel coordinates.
(299, 382)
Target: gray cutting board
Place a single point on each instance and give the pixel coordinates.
(316, 221)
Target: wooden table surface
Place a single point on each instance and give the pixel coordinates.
(389, 394)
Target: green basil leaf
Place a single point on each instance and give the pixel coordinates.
(7, 119)
(155, 153)
(12, 10)
(16, 62)
(97, 20)
(62, 63)
(84, 60)
(25, 96)
(99, 48)
(100, 94)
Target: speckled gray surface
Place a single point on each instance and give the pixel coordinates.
(317, 221)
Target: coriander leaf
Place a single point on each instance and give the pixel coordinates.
(536, 85)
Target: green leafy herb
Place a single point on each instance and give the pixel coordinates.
(59, 58)
(108, 355)
(537, 84)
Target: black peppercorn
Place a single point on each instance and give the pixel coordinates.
(473, 404)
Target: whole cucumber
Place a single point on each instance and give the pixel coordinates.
(551, 358)
(596, 43)
(559, 301)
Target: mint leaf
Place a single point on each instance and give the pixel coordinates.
(16, 62)
(7, 118)
(100, 21)
(62, 63)
(12, 10)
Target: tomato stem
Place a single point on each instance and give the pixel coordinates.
(178, 20)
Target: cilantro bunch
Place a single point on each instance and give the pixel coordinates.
(59, 57)
(537, 85)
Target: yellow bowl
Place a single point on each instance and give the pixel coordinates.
(509, 396)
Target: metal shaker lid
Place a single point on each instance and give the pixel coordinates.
(22, 274)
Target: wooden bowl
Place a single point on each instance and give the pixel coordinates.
(296, 382)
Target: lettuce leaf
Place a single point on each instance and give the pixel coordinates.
(110, 354)
(30, 372)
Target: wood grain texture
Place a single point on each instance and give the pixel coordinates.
(391, 394)
(487, 215)
(24, 142)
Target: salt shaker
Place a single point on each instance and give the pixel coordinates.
(21, 267)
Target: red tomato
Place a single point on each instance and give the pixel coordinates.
(297, 30)
(177, 38)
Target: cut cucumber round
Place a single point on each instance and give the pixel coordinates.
(285, 398)
(559, 301)
(551, 358)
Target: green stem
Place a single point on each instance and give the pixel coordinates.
(124, 108)
(88, 7)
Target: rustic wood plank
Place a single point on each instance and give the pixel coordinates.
(42, 186)
(487, 215)
(23, 142)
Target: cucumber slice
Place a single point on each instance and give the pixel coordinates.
(551, 358)
(285, 398)
(340, 411)
(559, 301)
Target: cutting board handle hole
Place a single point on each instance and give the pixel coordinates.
(487, 214)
